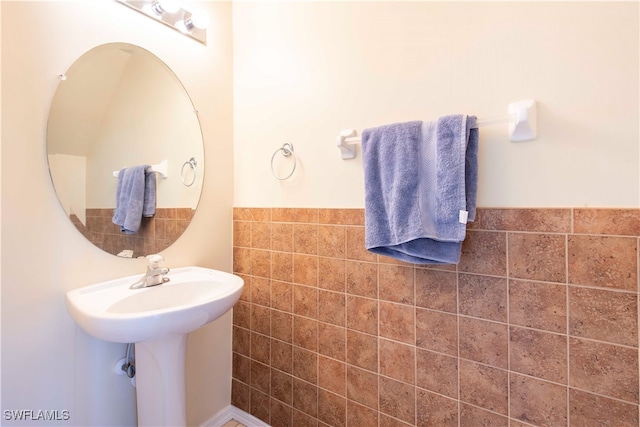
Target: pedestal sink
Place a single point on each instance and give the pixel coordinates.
(157, 319)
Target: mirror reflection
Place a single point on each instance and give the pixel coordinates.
(120, 107)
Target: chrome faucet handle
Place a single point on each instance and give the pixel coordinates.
(155, 273)
(155, 260)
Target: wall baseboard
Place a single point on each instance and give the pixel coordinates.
(232, 413)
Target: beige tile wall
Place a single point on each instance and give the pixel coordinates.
(537, 325)
(155, 234)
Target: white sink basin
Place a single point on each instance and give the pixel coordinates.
(193, 297)
(157, 319)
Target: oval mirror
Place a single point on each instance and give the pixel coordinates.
(120, 107)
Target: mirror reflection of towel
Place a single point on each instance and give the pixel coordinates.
(135, 197)
(420, 188)
(149, 203)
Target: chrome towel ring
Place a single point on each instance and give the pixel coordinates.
(192, 163)
(287, 151)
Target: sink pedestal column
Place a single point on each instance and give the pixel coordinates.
(160, 380)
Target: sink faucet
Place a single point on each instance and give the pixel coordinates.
(155, 273)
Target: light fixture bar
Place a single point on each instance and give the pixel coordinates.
(174, 14)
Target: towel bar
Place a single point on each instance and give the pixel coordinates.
(521, 117)
(160, 169)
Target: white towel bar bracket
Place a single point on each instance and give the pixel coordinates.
(524, 126)
(522, 119)
(346, 142)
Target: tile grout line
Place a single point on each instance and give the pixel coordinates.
(568, 314)
(414, 349)
(458, 399)
(317, 311)
(508, 274)
(378, 341)
(270, 281)
(346, 311)
(251, 307)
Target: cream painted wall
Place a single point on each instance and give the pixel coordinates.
(47, 362)
(70, 172)
(150, 119)
(305, 70)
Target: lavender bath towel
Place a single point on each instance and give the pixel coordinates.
(420, 188)
(135, 198)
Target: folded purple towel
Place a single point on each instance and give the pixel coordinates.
(420, 188)
(135, 198)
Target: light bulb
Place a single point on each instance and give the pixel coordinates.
(198, 19)
(161, 7)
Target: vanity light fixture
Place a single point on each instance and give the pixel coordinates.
(173, 13)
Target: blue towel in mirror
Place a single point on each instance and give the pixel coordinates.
(135, 197)
(420, 188)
